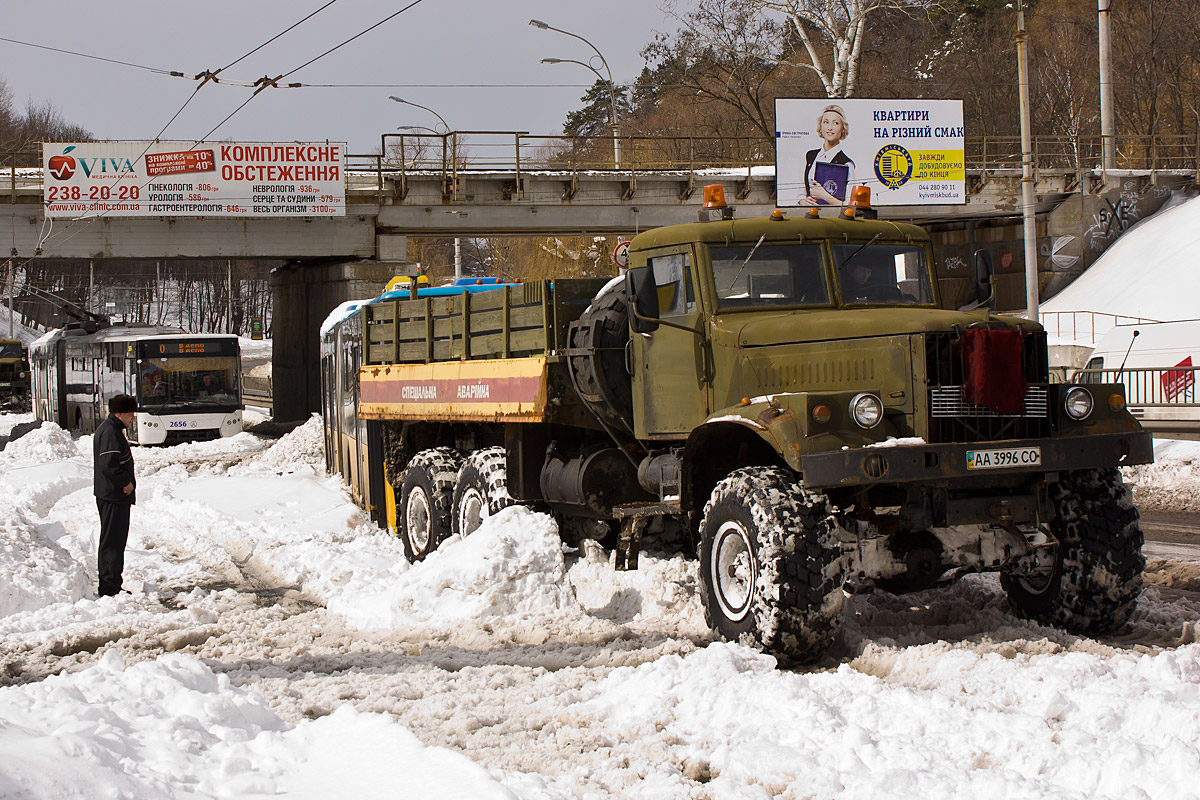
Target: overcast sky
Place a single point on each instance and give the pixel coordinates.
(435, 42)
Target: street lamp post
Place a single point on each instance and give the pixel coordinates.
(454, 144)
(612, 94)
(1107, 127)
(423, 108)
(1027, 200)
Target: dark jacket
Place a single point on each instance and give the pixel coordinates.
(113, 462)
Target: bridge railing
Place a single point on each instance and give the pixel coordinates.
(464, 151)
(1085, 326)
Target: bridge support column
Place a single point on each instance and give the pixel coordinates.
(303, 295)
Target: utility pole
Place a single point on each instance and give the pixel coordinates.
(229, 300)
(12, 289)
(1027, 200)
(1107, 124)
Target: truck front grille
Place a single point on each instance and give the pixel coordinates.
(952, 419)
(948, 401)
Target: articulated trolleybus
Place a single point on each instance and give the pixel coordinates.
(354, 446)
(188, 386)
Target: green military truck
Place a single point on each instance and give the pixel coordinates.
(14, 375)
(787, 395)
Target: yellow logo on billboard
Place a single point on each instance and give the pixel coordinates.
(893, 166)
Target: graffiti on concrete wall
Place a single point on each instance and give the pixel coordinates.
(1119, 210)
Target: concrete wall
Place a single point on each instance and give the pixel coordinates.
(304, 293)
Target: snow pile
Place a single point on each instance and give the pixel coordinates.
(1168, 484)
(45, 444)
(304, 445)
(1147, 273)
(508, 573)
(37, 571)
(172, 729)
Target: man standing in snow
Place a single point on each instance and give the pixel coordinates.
(114, 488)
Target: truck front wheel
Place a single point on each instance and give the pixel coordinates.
(1097, 573)
(426, 490)
(481, 490)
(769, 565)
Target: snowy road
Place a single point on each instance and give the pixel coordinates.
(273, 627)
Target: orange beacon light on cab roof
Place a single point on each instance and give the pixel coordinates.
(714, 196)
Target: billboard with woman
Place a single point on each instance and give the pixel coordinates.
(909, 152)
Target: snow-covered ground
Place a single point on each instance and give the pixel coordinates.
(277, 644)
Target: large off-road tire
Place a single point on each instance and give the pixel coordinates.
(1097, 573)
(426, 493)
(769, 565)
(481, 490)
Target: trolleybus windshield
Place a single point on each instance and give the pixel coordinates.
(197, 373)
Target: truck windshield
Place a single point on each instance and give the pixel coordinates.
(883, 274)
(10, 350)
(774, 275)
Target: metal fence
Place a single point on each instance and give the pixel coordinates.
(1163, 399)
(1148, 387)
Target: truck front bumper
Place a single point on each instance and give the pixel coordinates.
(936, 463)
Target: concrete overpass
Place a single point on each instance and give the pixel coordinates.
(352, 256)
(385, 205)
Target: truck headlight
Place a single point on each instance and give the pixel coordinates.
(1078, 403)
(866, 409)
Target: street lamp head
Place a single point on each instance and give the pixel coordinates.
(397, 99)
(551, 60)
(537, 23)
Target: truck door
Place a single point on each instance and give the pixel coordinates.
(671, 391)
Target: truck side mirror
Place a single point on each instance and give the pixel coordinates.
(643, 299)
(984, 288)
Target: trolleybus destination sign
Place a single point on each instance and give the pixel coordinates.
(185, 179)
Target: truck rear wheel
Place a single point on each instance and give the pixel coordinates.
(1097, 572)
(768, 565)
(426, 492)
(481, 490)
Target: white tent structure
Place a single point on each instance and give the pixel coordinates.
(1151, 273)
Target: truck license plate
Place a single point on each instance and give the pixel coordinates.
(1009, 457)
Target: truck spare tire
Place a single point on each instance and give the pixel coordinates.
(597, 357)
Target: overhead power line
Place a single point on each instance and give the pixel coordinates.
(96, 58)
(269, 82)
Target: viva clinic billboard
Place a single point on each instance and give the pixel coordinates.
(909, 152)
(185, 179)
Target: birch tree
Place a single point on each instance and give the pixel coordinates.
(822, 36)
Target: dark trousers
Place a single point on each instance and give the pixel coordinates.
(114, 532)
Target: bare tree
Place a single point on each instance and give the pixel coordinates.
(831, 32)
